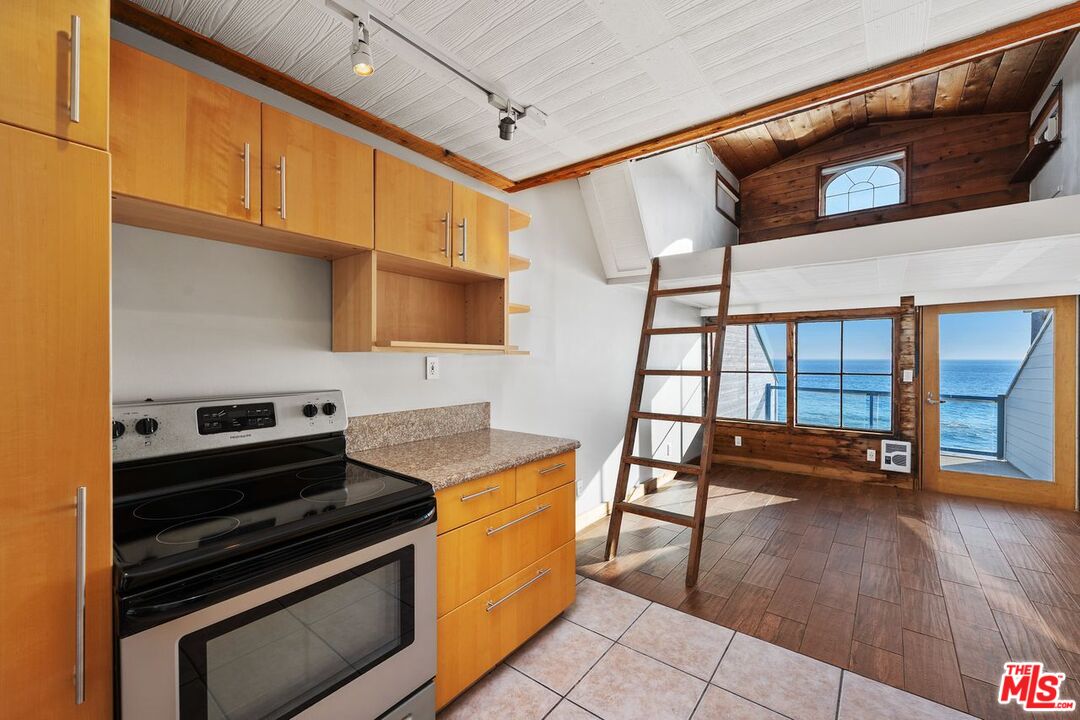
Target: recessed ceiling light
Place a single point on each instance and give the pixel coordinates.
(360, 50)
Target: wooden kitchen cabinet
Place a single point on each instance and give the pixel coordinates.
(182, 140)
(316, 182)
(412, 211)
(505, 568)
(54, 198)
(481, 233)
(53, 84)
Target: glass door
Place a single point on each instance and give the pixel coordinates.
(999, 400)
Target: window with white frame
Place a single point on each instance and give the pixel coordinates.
(864, 184)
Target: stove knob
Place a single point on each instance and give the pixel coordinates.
(329, 408)
(310, 410)
(118, 429)
(146, 426)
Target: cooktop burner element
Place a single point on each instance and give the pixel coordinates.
(188, 504)
(197, 531)
(321, 473)
(345, 492)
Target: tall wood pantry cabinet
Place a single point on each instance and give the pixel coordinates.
(55, 518)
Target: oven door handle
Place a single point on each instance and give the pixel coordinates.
(141, 613)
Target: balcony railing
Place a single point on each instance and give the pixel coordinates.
(879, 405)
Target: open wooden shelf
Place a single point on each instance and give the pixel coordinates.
(423, 347)
(518, 263)
(518, 308)
(519, 219)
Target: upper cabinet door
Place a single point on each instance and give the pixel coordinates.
(180, 139)
(316, 182)
(55, 56)
(412, 211)
(481, 232)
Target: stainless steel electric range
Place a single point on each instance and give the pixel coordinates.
(262, 574)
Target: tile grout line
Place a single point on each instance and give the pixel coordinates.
(840, 692)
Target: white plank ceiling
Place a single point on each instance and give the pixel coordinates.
(608, 73)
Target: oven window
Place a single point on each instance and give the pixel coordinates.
(275, 660)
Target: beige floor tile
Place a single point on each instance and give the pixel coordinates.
(626, 685)
(689, 643)
(567, 710)
(604, 609)
(578, 579)
(863, 698)
(502, 693)
(719, 704)
(560, 655)
(789, 683)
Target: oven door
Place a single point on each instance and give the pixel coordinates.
(349, 638)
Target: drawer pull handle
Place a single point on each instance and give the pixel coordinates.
(553, 468)
(477, 494)
(537, 511)
(492, 604)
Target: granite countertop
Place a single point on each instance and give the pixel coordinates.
(453, 459)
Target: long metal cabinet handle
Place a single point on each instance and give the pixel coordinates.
(80, 595)
(485, 491)
(76, 67)
(553, 468)
(537, 511)
(492, 604)
(446, 234)
(281, 169)
(464, 239)
(247, 175)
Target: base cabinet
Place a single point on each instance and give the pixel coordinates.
(505, 569)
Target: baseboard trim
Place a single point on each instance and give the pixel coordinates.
(819, 471)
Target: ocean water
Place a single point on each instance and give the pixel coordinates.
(867, 400)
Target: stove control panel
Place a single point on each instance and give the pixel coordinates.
(156, 429)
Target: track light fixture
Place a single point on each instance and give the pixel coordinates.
(360, 50)
(507, 126)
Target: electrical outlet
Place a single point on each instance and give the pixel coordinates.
(738, 441)
(580, 487)
(907, 375)
(871, 455)
(431, 369)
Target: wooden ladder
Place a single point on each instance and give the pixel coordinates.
(695, 522)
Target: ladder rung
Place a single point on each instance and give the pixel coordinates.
(678, 373)
(698, 419)
(663, 464)
(692, 290)
(691, 330)
(656, 513)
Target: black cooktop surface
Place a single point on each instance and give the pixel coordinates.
(172, 512)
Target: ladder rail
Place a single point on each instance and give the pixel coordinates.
(711, 376)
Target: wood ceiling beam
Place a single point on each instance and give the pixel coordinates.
(182, 37)
(1053, 21)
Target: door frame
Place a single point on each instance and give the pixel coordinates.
(1062, 492)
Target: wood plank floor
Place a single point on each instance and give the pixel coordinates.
(927, 592)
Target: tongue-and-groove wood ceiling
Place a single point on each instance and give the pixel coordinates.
(1009, 81)
(611, 75)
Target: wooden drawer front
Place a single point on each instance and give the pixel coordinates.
(476, 556)
(474, 499)
(547, 474)
(472, 639)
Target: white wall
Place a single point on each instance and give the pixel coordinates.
(1029, 411)
(1063, 170)
(194, 317)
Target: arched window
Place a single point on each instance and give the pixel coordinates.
(863, 185)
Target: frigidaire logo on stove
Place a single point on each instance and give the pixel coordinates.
(241, 436)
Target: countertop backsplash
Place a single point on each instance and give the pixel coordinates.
(394, 428)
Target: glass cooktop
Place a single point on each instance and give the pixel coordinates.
(149, 526)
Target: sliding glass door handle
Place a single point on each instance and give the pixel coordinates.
(931, 400)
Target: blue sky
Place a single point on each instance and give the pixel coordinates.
(985, 335)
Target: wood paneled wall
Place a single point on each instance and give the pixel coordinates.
(959, 163)
(837, 454)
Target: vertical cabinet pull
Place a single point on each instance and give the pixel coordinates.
(80, 595)
(76, 69)
(281, 170)
(446, 234)
(247, 175)
(464, 239)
